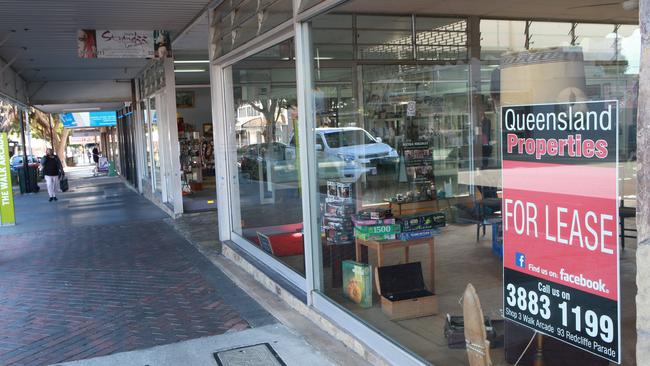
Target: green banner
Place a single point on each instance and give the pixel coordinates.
(7, 216)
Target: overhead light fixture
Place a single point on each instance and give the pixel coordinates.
(82, 109)
(323, 58)
(191, 61)
(190, 70)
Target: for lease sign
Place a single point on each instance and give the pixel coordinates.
(560, 212)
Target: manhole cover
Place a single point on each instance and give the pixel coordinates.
(256, 355)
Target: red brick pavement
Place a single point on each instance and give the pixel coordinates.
(81, 292)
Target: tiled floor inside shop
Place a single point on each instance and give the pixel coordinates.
(460, 260)
(202, 200)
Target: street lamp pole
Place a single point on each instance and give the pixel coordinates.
(28, 186)
(51, 133)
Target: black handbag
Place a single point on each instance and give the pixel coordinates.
(64, 184)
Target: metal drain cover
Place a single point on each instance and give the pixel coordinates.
(256, 355)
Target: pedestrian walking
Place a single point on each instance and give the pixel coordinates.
(53, 172)
(95, 155)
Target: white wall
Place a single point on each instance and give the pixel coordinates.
(202, 111)
(91, 91)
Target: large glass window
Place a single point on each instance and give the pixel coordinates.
(267, 200)
(499, 36)
(409, 165)
(237, 22)
(549, 34)
(155, 144)
(147, 136)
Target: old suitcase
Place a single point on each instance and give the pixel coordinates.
(403, 293)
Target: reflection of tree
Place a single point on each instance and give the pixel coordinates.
(40, 128)
(271, 108)
(39, 124)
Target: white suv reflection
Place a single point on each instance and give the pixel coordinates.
(348, 152)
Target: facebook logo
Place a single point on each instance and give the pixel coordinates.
(520, 260)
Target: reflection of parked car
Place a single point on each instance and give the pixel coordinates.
(352, 151)
(16, 162)
(250, 157)
(355, 143)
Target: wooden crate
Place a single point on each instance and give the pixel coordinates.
(400, 209)
(413, 307)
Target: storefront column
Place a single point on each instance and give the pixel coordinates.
(171, 148)
(220, 130)
(308, 160)
(643, 191)
(474, 41)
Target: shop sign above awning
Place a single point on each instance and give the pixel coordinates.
(123, 43)
(89, 119)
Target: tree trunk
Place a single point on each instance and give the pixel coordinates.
(61, 143)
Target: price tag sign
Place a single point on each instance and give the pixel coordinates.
(560, 222)
(411, 109)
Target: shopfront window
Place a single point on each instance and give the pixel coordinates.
(267, 203)
(155, 144)
(500, 36)
(410, 165)
(147, 135)
(549, 34)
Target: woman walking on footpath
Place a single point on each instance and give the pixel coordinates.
(53, 172)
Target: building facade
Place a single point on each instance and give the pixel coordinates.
(328, 113)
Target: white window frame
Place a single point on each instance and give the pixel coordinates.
(223, 112)
(223, 109)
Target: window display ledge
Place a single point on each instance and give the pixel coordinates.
(262, 272)
(297, 300)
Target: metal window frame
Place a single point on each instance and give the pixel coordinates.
(227, 188)
(223, 108)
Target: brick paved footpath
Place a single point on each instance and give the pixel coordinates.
(73, 288)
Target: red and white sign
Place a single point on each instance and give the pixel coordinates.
(560, 222)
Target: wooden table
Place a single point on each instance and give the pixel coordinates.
(381, 246)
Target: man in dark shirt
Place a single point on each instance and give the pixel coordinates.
(486, 148)
(95, 155)
(53, 172)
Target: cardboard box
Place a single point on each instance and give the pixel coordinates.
(420, 222)
(420, 234)
(376, 232)
(439, 219)
(402, 291)
(357, 282)
(400, 209)
(339, 237)
(339, 209)
(378, 229)
(378, 237)
(370, 222)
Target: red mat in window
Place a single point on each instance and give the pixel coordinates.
(286, 244)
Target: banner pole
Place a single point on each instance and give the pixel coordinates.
(28, 187)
